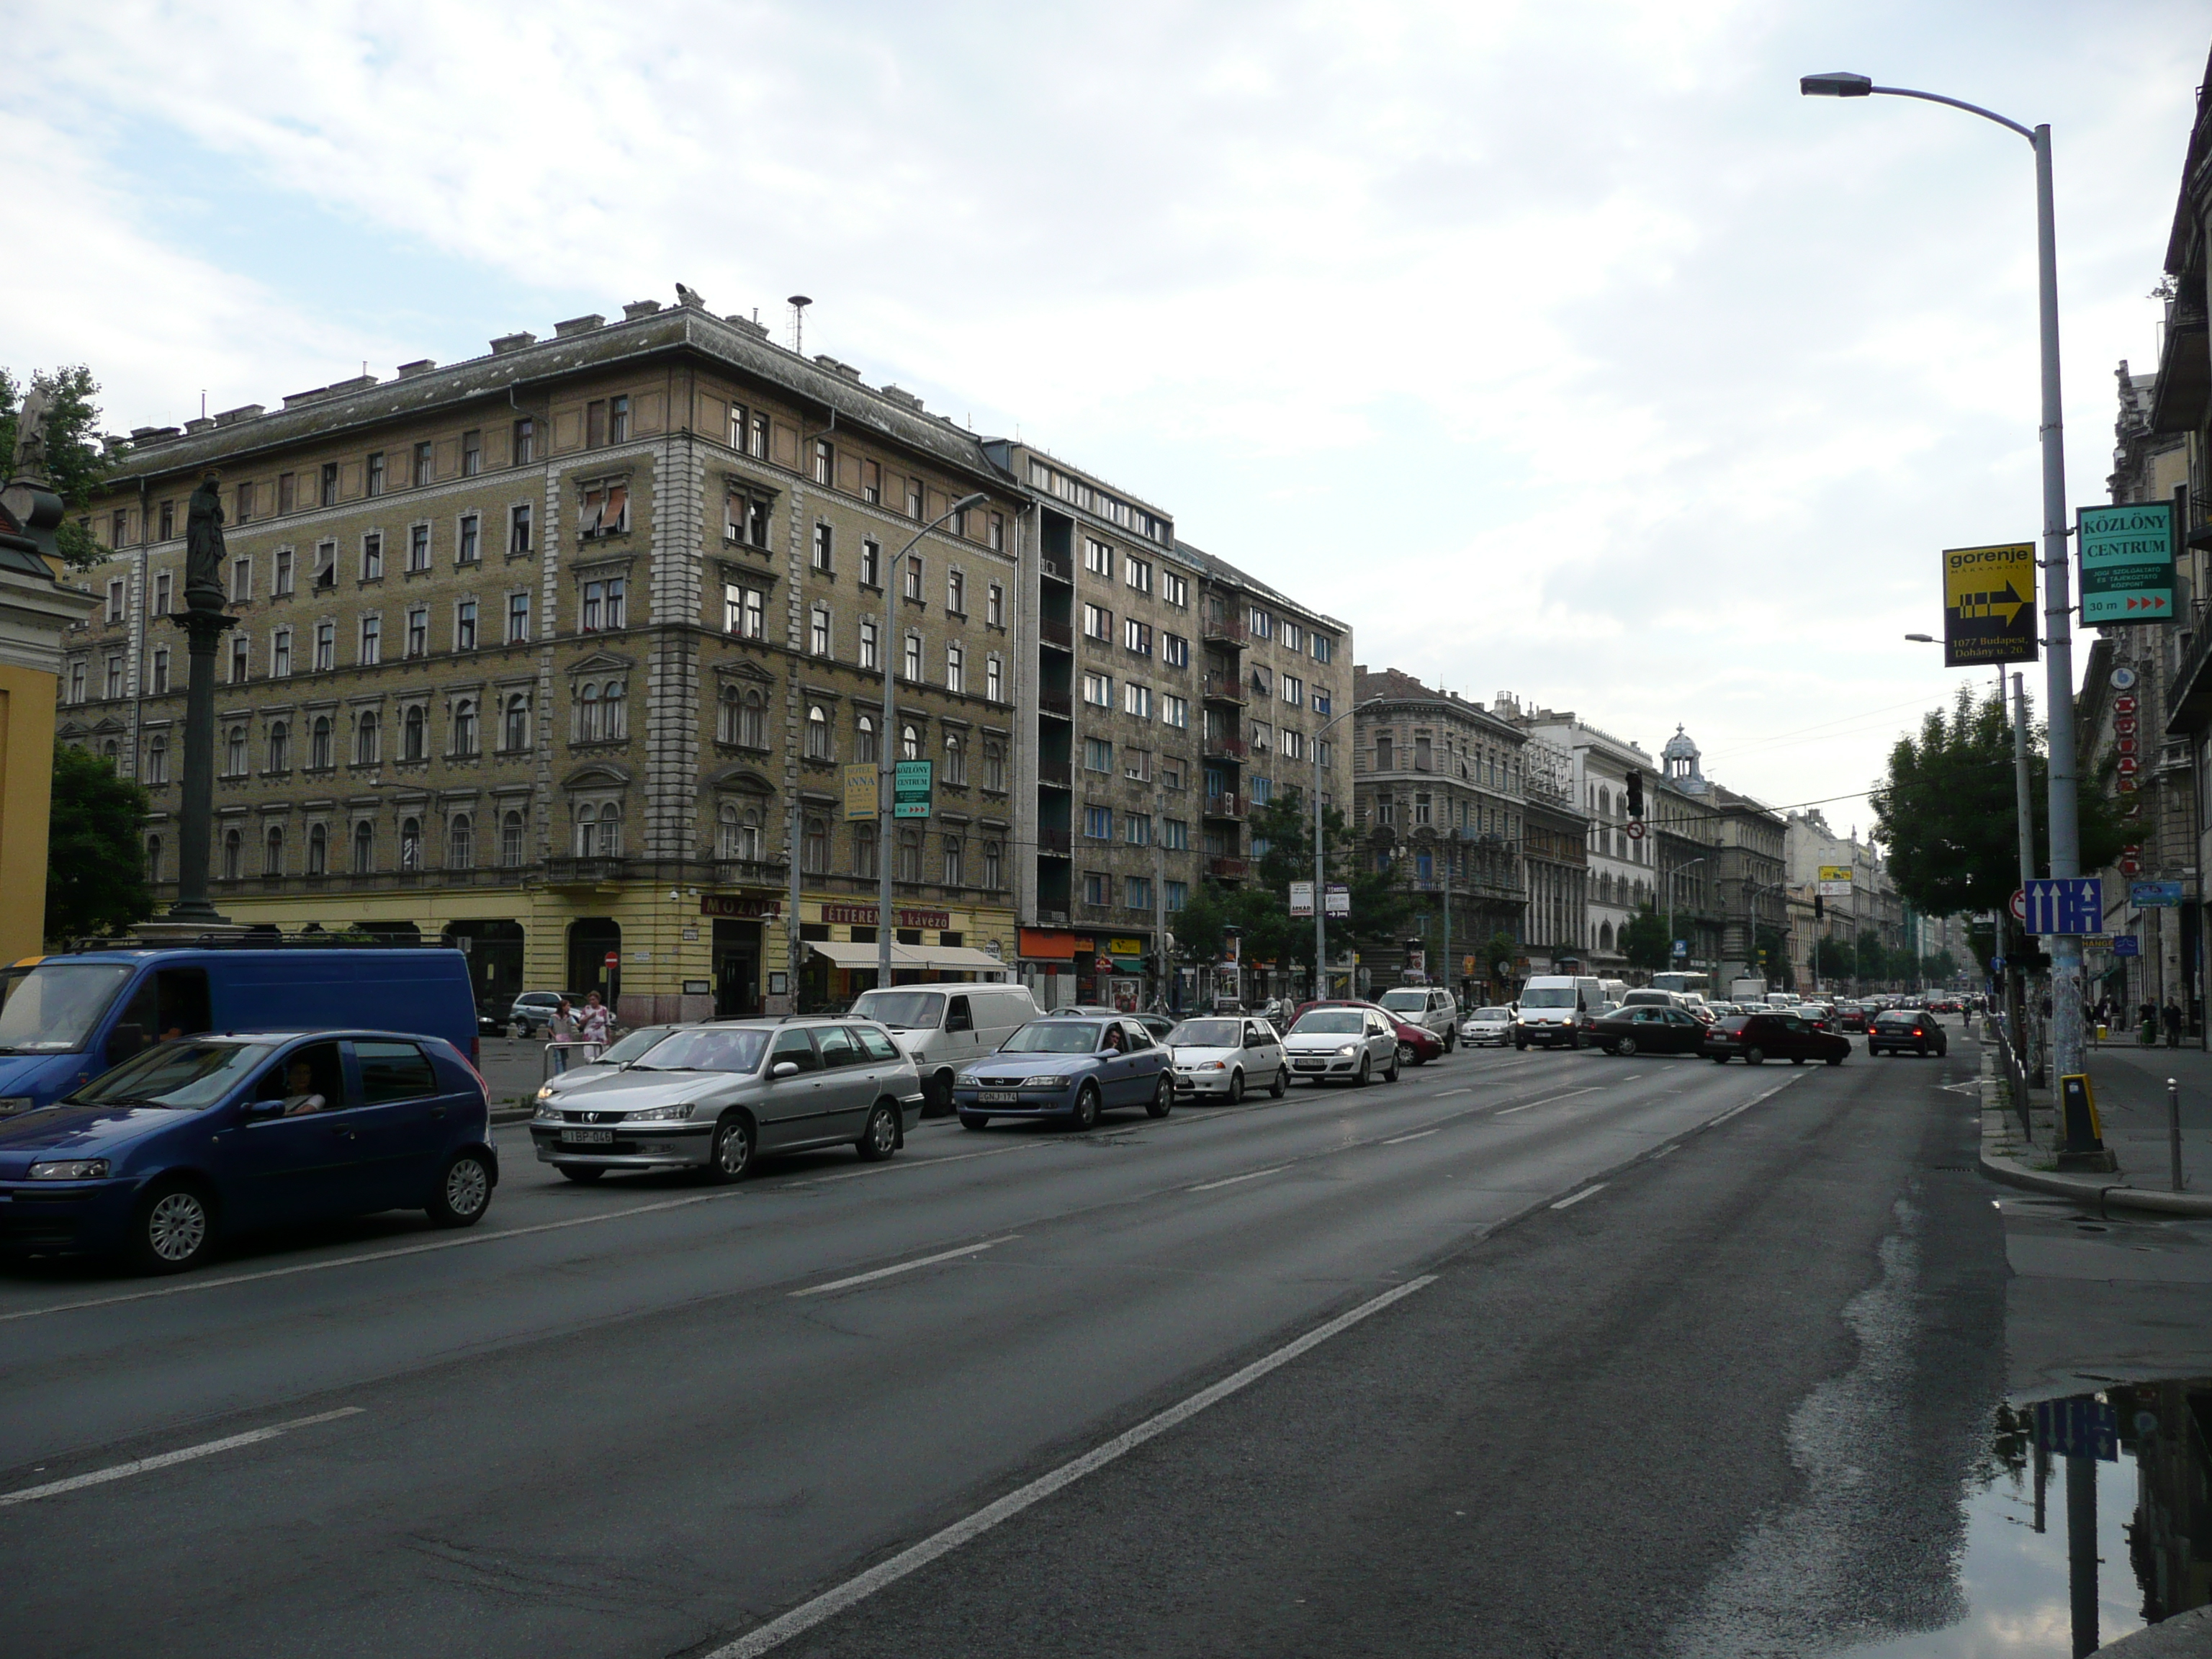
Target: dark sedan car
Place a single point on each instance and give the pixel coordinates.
(1850, 1017)
(1650, 1031)
(1776, 1035)
(1906, 1031)
(1071, 1068)
(1417, 1044)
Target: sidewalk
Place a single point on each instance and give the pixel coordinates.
(2131, 1101)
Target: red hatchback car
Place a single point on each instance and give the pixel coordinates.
(1779, 1035)
(1417, 1044)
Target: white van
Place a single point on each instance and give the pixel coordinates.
(1554, 1008)
(943, 1027)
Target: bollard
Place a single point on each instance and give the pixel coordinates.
(2173, 1128)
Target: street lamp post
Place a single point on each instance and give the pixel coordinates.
(887, 746)
(2065, 843)
(1320, 871)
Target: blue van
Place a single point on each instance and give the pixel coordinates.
(68, 1019)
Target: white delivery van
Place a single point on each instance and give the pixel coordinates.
(943, 1027)
(1554, 1008)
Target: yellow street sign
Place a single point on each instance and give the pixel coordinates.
(1835, 873)
(861, 792)
(1989, 604)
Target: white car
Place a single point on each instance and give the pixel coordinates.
(1429, 1006)
(1346, 1045)
(1227, 1055)
(1487, 1026)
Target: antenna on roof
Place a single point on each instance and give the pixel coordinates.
(798, 302)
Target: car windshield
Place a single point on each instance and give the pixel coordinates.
(182, 1075)
(903, 1011)
(53, 1008)
(1896, 1019)
(1206, 1034)
(1331, 1021)
(707, 1051)
(635, 1046)
(1405, 1002)
(1052, 1036)
(1489, 1013)
(1549, 996)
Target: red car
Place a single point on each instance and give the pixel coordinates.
(1417, 1045)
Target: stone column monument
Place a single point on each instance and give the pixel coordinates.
(204, 625)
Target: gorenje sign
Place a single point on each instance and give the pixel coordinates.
(2127, 562)
(1989, 604)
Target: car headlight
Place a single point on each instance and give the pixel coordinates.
(545, 1091)
(11, 1104)
(1347, 1051)
(1209, 1066)
(1045, 1080)
(70, 1168)
(660, 1114)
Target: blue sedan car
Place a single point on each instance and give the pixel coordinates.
(210, 1135)
(1068, 1067)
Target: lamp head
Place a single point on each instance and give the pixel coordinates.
(1840, 83)
(969, 504)
(1921, 639)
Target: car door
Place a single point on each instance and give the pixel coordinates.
(960, 1039)
(888, 1072)
(276, 1167)
(1263, 1054)
(1146, 1060)
(847, 1083)
(1381, 1041)
(790, 1105)
(405, 1121)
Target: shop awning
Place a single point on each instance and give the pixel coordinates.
(934, 958)
(850, 956)
(1046, 945)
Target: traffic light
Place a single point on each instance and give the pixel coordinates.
(1819, 910)
(1635, 794)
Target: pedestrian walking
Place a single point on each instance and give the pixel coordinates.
(591, 1023)
(2172, 1023)
(560, 1033)
(2147, 1021)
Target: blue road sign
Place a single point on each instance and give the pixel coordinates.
(2067, 904)
(1996, 964)
(2126, 945)
(2081, 1427)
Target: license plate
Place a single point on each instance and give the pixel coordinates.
(587, 1137)
(999, 1096)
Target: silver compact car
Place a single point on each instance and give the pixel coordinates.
(1346, 1045)
(1226, 1054)
(632, 1045)
(711, 1096)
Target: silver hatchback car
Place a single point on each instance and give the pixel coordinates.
(712, 1097)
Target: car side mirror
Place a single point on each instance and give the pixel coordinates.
(124, 1042)
(784, 1068)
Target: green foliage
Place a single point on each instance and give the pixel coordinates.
(1644, 940)
(1940, 968)
(1502, 947)
(95, 869)
(75, 459)
(1948, 811)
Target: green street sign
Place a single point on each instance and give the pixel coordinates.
(2127, 562)
(910, 789)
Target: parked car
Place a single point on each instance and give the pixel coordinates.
(1487, 1027)
(1906, 1030)
(713, 1097)
(1158, 1024)
(1650, 997)
(204, 1137)
(1344, 1042)
(68, 1018)
(1777, 1034)
(532, 1012)
(1431, 1008)
(1643, 1029)
(1417, 1044)
(943, 1027)
(1070, 1066)
(1851, 1017)
(1226, 1054)
(1556, 1009)
(631, 1045)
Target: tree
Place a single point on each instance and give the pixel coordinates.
(1644, 940)
(75, 459)
(95, 870)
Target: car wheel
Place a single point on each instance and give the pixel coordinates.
(1720, 1059)
(1520, 1042)
(173, 1228)
(583, 1174)
(1922, 1051)
(1366, 1061)
(1575, 1038)
(937, 1094)
(1163, 1101)
(1625, 1048)
(1236, 1088)
(1796, 1060)
(463, 1193)
(1835, 1060)
(973, 1120)
(1391, 1076)
(1754, 1056)
(1281, 1085)
(731, 1154)
(880, 1138)
(1086, 1107)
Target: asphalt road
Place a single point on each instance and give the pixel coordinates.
(1715, 1399)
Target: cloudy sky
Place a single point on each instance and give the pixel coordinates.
(1558, 347)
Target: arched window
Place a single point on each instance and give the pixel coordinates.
(864, 850)
(994, 865)
(725, 721)
(153, 858)
(460, 843)
(591, 726)
(864, 741)
(410, 842)
(817, 732)
(909, 855)
(111, 752)
(318, 744)
(411, 739)
(752, 730)
(909, 743)
(740, 832)
(956, 759)
(1604, 802)
(614, 711)
(955, 862)
(279, 746)
(272, 852)
(994, 766)
(517, 735)
(588, 823)
(233, 764)
(157, 759)
(814, 847)
(368, 739)
(319, 849)
(364, 847)
(233, 853)
(610, 831)
(510, 840)
(465, 727)
(1604, 936)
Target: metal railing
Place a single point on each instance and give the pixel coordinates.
(2015, 1075)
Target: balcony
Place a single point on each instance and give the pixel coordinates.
(1060, 634)
(1216, 687)
(1227, 805)
(1223, 630)
(1228, 869)
(1060, 705)
(1058, 569)
(1057, 842)
(1060, 774)
(749, 872)
(584, 872)
(1231, 749)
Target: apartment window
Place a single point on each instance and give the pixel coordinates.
(595, 423)
(744, 611)
(994, 770)
(272, 852)
(955, 670)
(371, 640)
(824, 548)
(1294, 745)
(913, 576)
(1097, 558)
(115, 599)
(169, 513)
(280, 580)
(114, 677)
(956, 593)
(1097, 888)
(517, 619)
(1322, 701)
(817, 631)
(955, 862)
(374, 474)
(464, 727)
(514, 723)
(605, 509)
(1175, 651)
(1137, 636)
(872, 558)
(819, 746)
(471, 550)
(864, 740)
(1293, 689)
(758, 449)
(372, 557)
(421, 471)
(914, 500)
(1097, 755)
(1137, 892)
(956, 761)
(368, 739)
(1325, 752)
(319, 745)
(241, 582)
(327, 493)
(418, 547)
(160, 670)
(234, 757)
(871, 481)
(1383, 756)
(1137, 765)
(326, 564)
(76, 681)
(1174, 711)
(287, 493)
(471, 453)
(161, 590)
(909, 743)
(1324, 648)
(998, 536)
(157, 759)
(280, 654)
(995, 679)
(1423, 752)
(1174, 589)
(737, 428)
(460, 843)
(414, 742)
(518, 529)
(618, 420)
(279, 756)
(744, 718)
(603, 606)
(364, 847)
(238, 659)
(993, 865)
(1137, 829)
(465, 625)
(1263, 791)
(960, 523)
(245, 502)
(1098, 823)
(326, 647)
(1263, 625)
(741, 833)
(912, 670)
(1098, 690)
(908, 868)
(1137, 700)
(1098, 623)
(825, 462)
(868, 645)
(1138, 573)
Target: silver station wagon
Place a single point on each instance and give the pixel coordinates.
(711, 1096)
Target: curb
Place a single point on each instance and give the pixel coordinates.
(1996, 1127)
(2185, 1636)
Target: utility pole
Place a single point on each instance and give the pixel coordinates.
(1161, 960)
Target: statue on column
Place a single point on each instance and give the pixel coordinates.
(204, 547)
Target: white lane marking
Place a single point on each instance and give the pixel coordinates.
(1577, 1198)
(1444, 1094)
(904, 1163)
(146, 1465)
(1400, 1140)
(904, 1267)
(1767, 1094)
(1250, 1174)
(1663, 1150)
(830, 1603)
(1546, 1101)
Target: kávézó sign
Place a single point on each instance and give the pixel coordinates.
(1989, 604)
(864, 915)
(2127, 562)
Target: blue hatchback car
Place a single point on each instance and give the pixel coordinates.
(1066, 1068)
(205, 1136)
